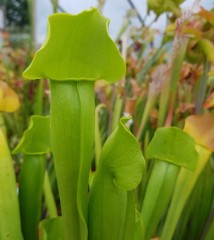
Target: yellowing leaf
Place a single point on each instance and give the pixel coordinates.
(170, 28)
(201, 128)
(9, 101)
(192, 33)
(211, 73)
(207, 48)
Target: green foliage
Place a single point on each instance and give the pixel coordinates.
(83, 57)
(36, 139)
(167, 144)
(111, 203)
(51, 229)
(34, 143)
(72, 98)
(105, 190)
(31, 181)
(185, 183)
(9, 215)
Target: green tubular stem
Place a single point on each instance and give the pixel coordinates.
(98, 139)
(31, 12)
(141, 191)
(163, 105)
(171, 87)
(49, 197)
(158, 194)
(183, 223)
(10, 226)
(139, 227)
(176, 69)
(148, 64)
(184, 226)
(129, 225)
(111, 204)
(39, 99)
(72, 137)
(184, 185)
(54, 5)
(202, 88)
(203, 201)
(108, 197)
(122, 30)
(30, 194)
(149, 105)
(117, 112)
(210, 232)
(146, 140)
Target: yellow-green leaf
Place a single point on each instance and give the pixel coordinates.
(173, 145)
(207, 48)
(120, 170)
(77, 47)
(36, 139)
(201, 128)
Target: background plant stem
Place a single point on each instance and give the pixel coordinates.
(49, 197)
(202, 88)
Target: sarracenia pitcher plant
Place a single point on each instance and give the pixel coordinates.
(10, 226)
(77, 52)
(34, 144)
